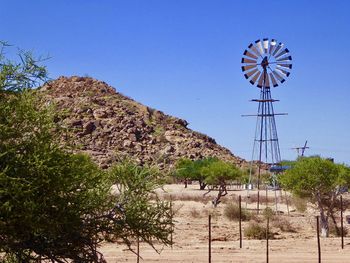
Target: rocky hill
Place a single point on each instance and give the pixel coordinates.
(106, 125)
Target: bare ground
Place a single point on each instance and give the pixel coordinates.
(191, 234)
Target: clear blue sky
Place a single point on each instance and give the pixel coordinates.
(183, 57)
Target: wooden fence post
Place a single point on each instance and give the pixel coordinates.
(240, 221)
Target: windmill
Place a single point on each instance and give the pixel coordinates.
(266, 64)
(301, 150)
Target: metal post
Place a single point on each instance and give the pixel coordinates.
(257, 207)
(240, 222)
(209, 239)
(138, 250)
(261, 141)
(276, 207)
(341, 222)
(171, 218)
(318, 238)
(267, 240)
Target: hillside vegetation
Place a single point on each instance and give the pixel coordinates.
(106, 125)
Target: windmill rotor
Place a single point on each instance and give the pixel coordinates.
(266, 63)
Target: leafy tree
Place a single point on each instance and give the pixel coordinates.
(289, 163)
(24, 74)
(144, 214)
(183, 170)
(220, 173)
(55, 205)
(319, 180)
(193, 170)
(49, 199)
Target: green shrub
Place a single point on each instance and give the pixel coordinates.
(299, 203)
(231, 212)
(257, 231)
(268, 213)
(8, 258)
(159, 131)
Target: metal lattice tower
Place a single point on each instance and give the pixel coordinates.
(266, 64)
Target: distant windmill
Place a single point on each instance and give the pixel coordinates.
(301, 150)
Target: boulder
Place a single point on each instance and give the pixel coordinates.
(89, 127)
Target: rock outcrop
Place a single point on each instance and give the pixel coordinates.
(106, 124)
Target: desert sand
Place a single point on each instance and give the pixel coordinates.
(191, 234)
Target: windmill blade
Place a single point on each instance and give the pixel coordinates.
(280, 72)
(285, 65)
(285, 51)
(261, 81)
(280, 45)
(284, 59)
(273, 80)
(254, 78)
(253, 48)
(279, 77)
(248, 67)
(247, 60)
(266, 44)
(272, 46)
(260, 48)
(283, 71)
(250, 73)
(305, 144)
(248, 54)
(303, 149)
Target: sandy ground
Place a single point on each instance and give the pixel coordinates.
(191, 235)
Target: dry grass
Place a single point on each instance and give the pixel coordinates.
(281, 198)
(283, 224)
(195, 213)
(229, 199)
(187, 197)
(333, 230)
(257, 231)
(268, 213)
(177, 208)
(262, 197)
(231, 211)
(213, 212)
